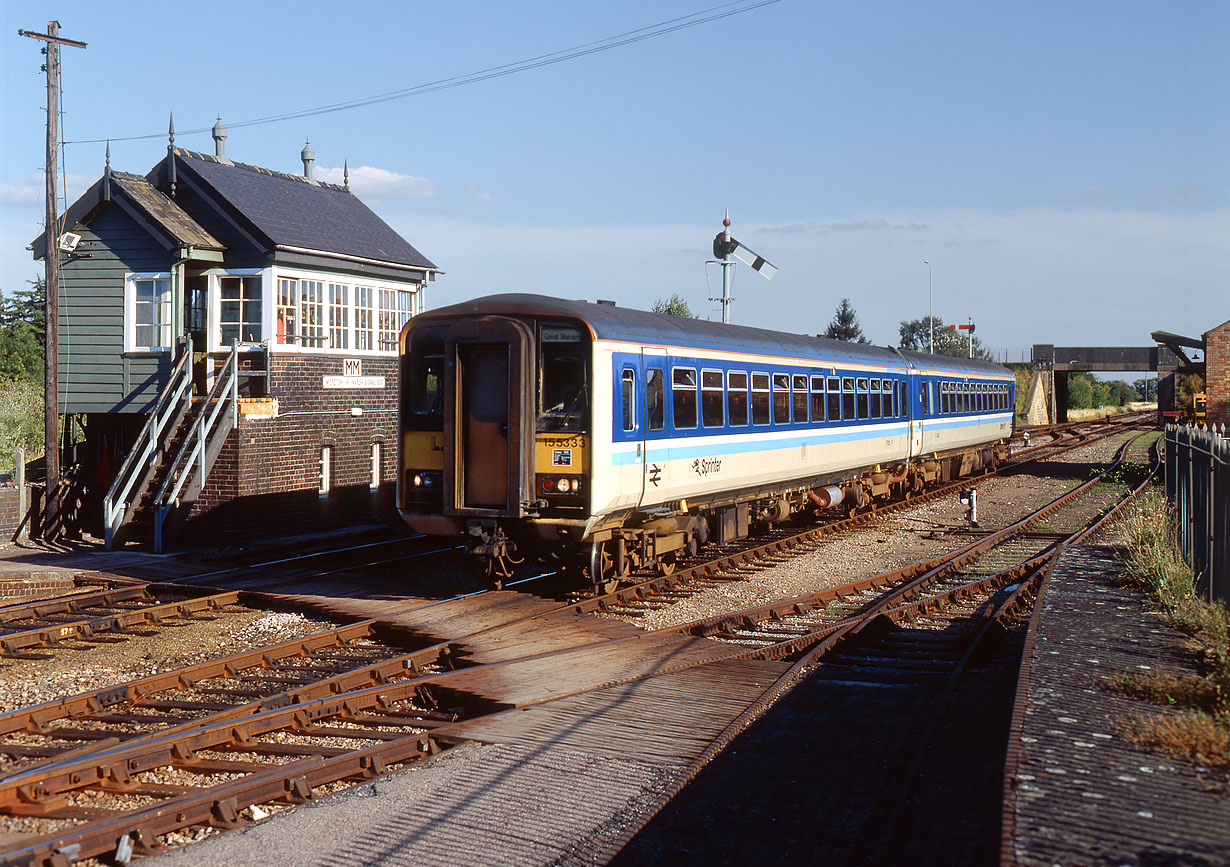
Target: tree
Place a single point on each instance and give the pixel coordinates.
(1187, 386)
(1080, 390)
(673, 306)
(22, 333)
(1146, 389)
(1120, 393)
(914, 336)
(845, 324)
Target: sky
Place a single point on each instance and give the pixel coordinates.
(1064, 167)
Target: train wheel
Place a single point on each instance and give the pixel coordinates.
(603, 571)
(666, 564)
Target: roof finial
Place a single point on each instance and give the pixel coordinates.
(346, 174)
(219, 133)
(171, 152)
(308, 156)
(106, 190)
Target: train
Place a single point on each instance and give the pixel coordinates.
(618, 440)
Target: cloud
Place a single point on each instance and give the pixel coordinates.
(478, 195)
(369, 182)
(31, 190)
(872, 225)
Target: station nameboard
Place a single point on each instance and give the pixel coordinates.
(352, 382)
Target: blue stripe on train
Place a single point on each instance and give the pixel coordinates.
(685, 448)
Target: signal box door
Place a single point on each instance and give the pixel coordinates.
(488, 418)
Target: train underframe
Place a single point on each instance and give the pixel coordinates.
(612, 548)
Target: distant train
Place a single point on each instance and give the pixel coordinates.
(619, 439)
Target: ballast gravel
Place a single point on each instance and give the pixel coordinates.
(75, 667)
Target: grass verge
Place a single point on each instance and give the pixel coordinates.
(1154, 564)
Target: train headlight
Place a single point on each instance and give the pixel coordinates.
(418, 480)
(560, 484)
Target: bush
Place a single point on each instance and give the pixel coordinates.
(21, 422)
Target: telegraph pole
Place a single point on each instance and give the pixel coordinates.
(51, 369)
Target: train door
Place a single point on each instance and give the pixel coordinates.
(489, 424)
(630, 431)
(916, 391)
(653, 462)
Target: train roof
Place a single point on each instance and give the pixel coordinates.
(609, 322)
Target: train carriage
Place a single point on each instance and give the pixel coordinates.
(538, 426)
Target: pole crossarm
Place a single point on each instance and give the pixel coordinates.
(58, 40)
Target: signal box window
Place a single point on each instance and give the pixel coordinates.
(876, 401)
(655, 398)
(151, 313)
(683, 395)
(326, 471)
(834, 398)
(847, 398)
(781, 398)
(563, 377)
(711, 412)
(736, 397)
(760, 398)
(628, 398)
(862, 398)
(239, 309)
(817, 398)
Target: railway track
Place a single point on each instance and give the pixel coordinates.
(892, 680)
(288, 738)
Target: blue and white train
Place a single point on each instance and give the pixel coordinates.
(538, 426)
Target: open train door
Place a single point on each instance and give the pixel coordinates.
(488, 418)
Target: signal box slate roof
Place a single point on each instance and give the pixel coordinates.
(608, 322)
(145, 203)
(170, 216)
(289, 210)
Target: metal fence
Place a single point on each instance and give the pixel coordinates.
(1198, 486)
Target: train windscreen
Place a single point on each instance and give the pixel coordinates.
(423, 388)
(563, 378)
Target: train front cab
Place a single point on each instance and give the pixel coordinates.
(481, 450)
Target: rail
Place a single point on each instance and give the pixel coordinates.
(136, 471)
(200, 447)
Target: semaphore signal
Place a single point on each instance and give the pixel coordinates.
(724, 246)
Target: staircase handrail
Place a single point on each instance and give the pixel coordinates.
(193, 450)
(115, 502)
